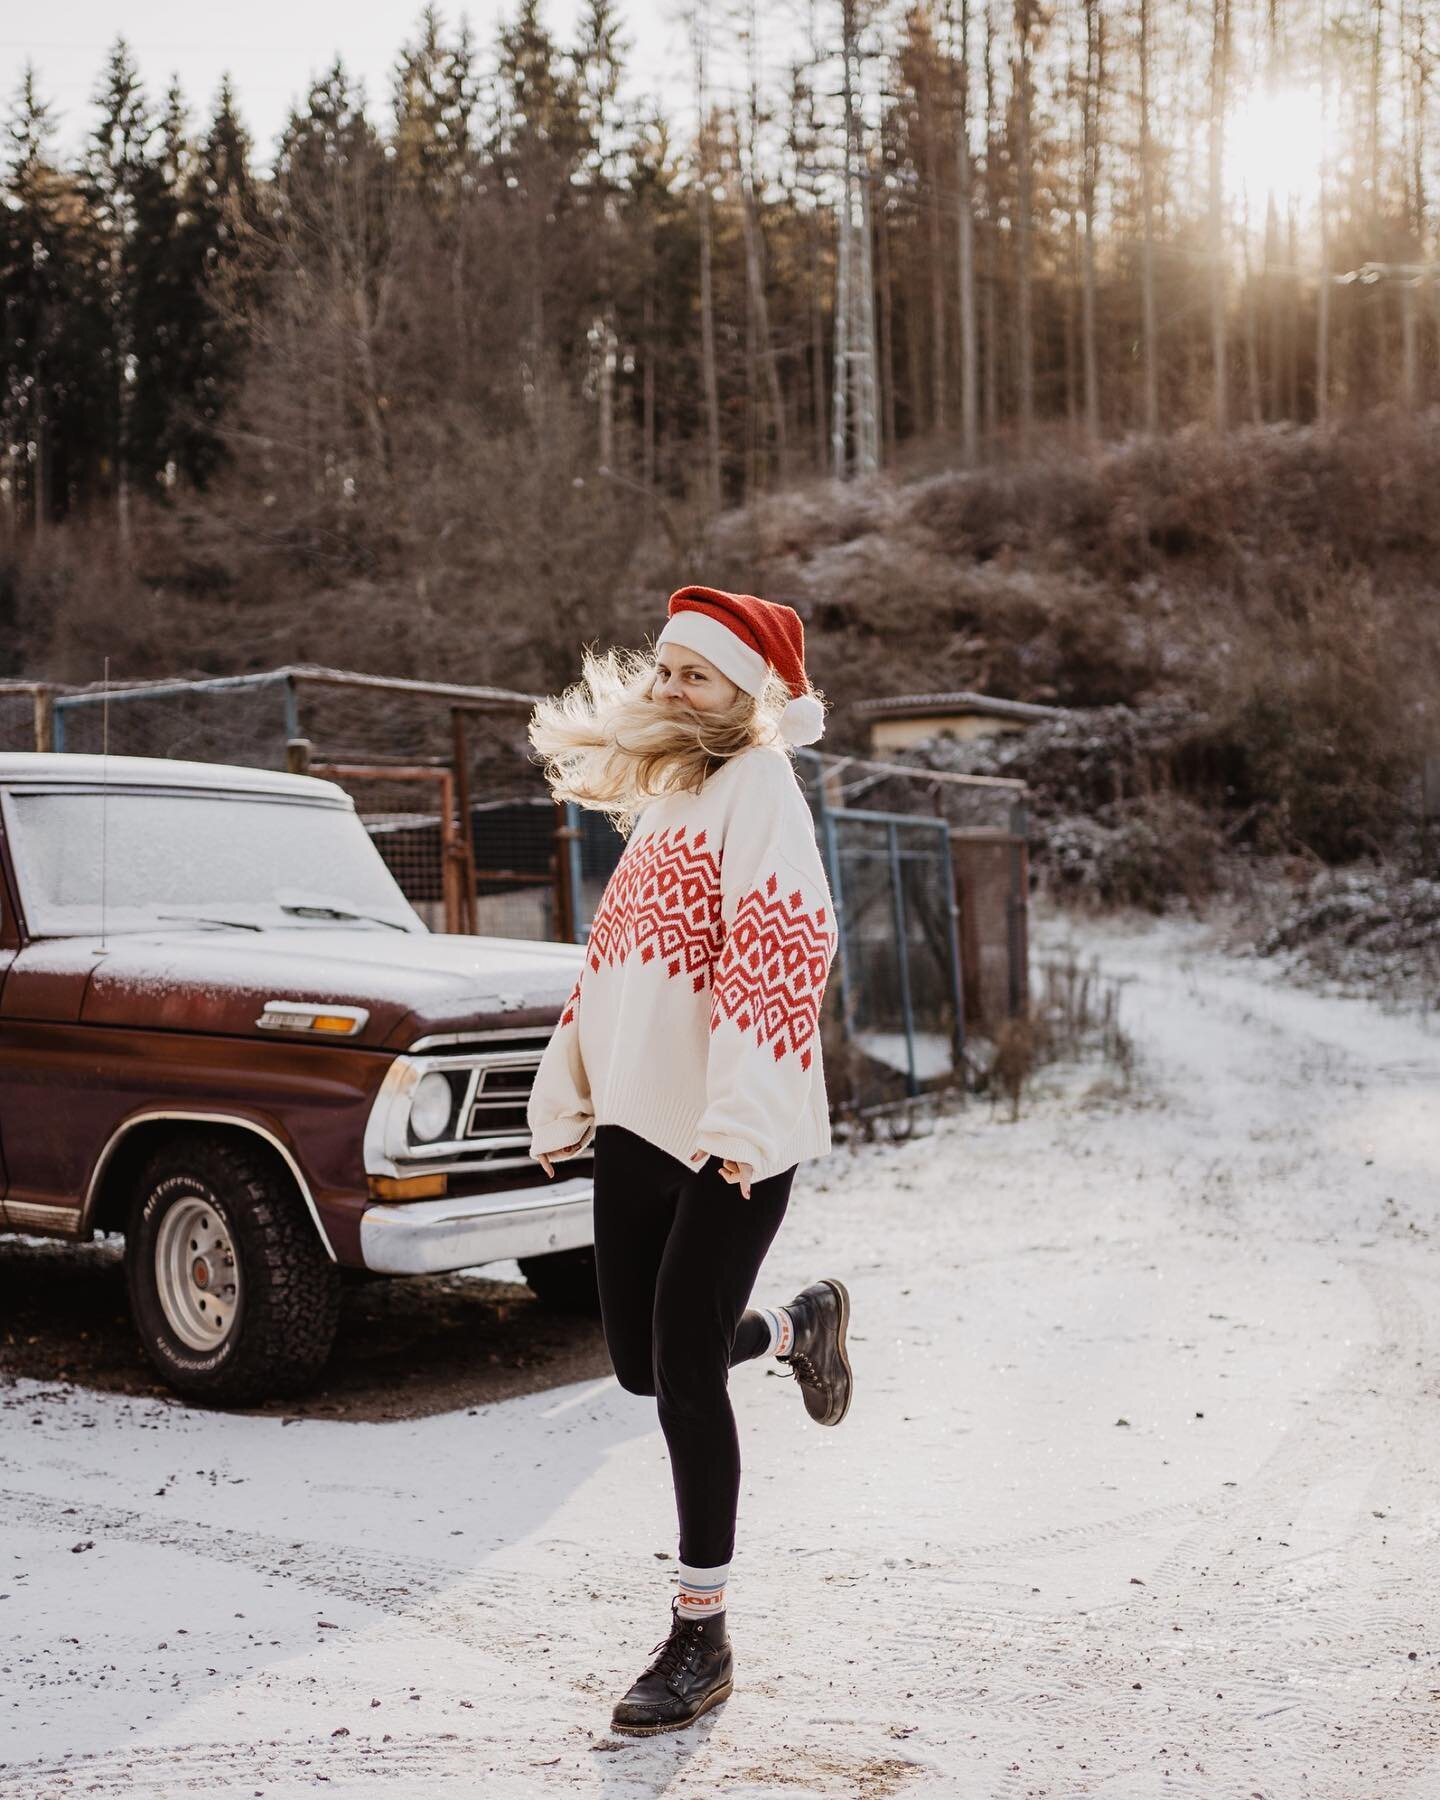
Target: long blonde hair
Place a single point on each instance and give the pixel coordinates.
(608, 745)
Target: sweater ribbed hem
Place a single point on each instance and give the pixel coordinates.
(674, 1127)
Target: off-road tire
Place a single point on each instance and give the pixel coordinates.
(288, 1303)
(564, 1280)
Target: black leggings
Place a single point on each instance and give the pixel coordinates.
(677, 1251)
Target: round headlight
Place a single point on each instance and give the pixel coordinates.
(430, 1107)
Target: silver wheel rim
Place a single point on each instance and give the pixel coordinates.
(197, 1276)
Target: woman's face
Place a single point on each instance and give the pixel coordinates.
(684, 678)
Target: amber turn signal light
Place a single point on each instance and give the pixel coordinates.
(409, 1187)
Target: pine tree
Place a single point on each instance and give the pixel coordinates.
(43, 319)
(433, 99)
(117, 168)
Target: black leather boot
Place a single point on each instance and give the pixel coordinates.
(817, 1359)
(693, 1672)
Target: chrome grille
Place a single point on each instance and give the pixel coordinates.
(497, 1100)
(494, 1072)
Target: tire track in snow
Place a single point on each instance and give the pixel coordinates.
(403, 1587)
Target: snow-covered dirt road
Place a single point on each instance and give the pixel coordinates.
(1140, 1492)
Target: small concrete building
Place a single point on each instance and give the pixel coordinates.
(904, 719)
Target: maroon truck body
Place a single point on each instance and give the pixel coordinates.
(172, 992)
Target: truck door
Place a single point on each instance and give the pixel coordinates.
(9, 941)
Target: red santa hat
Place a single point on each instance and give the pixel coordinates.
(745, 638)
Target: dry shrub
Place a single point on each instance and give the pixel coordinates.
(1149, 852)
(1074, 1018)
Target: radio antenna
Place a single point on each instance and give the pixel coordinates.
(104, 790)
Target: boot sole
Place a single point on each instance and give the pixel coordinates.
(679, 1724)
(842, 1294)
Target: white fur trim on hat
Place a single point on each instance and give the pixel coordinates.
(803, 720)
(697, 631)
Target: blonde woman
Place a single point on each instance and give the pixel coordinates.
(688, 1057)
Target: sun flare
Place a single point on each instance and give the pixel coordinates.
(1275, 148)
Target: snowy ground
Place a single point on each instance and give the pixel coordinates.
(1140, 1493)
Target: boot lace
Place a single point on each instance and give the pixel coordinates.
(674, 1650)
(803, 1369)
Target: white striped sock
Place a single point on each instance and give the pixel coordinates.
(701, 1592)
(781, 1328)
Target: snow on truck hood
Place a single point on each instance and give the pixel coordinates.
(212, 981)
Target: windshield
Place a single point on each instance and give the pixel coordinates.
(213, 860)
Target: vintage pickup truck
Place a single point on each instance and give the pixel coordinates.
(225, 1033)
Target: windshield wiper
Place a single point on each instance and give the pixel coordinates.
(341, 913)
(200, 919)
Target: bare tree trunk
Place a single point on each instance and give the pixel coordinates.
(840, 384)
(647, 387)
(1094, 80)
(930, 129)
(1219, 76)
(749, 480)
(40, 504)
(1413, 65)
(868, 378)
(1150, 411)
(1409, 363)
(760, 313)
(606, 397)
(1252, 332)
(1072, 286)
(709, 380)
(1322, 296)
(817, 350)
(1024, 181)
(1381, 380)
(855, 287)
(707, 350)
(887, 338)
(124, 345)
(992, 253)
(1272, 402)
(965, 250)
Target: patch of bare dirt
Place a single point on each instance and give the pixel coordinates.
(406, 1348)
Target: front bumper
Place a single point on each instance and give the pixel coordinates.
(430, 1237)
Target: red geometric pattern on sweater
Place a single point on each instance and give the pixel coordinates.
(664, 901)
(771, 977)
(572, 1005)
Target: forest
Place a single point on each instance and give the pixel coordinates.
(1082, 350)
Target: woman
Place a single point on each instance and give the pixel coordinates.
(689, 1057)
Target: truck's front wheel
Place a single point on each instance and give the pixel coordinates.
(234, 1295)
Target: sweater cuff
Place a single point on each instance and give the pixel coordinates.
(730, 1149)
(570, 1128)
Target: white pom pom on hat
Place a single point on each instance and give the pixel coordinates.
(803, 720)
(745, 637)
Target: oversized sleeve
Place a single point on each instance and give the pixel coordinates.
(560, 1110)
(769, 979)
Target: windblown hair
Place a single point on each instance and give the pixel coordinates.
(606, 744)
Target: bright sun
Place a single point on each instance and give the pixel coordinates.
(1275, 145)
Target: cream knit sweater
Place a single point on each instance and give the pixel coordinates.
(695, 1022)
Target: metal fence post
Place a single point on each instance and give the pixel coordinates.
(564, 863)
(830, 850)
(1018, 931)
(292, 710)
(574, 837)
(902, 946)
(957, 970)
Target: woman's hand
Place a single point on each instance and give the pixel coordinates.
(545, 1161)
(733, 1172)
